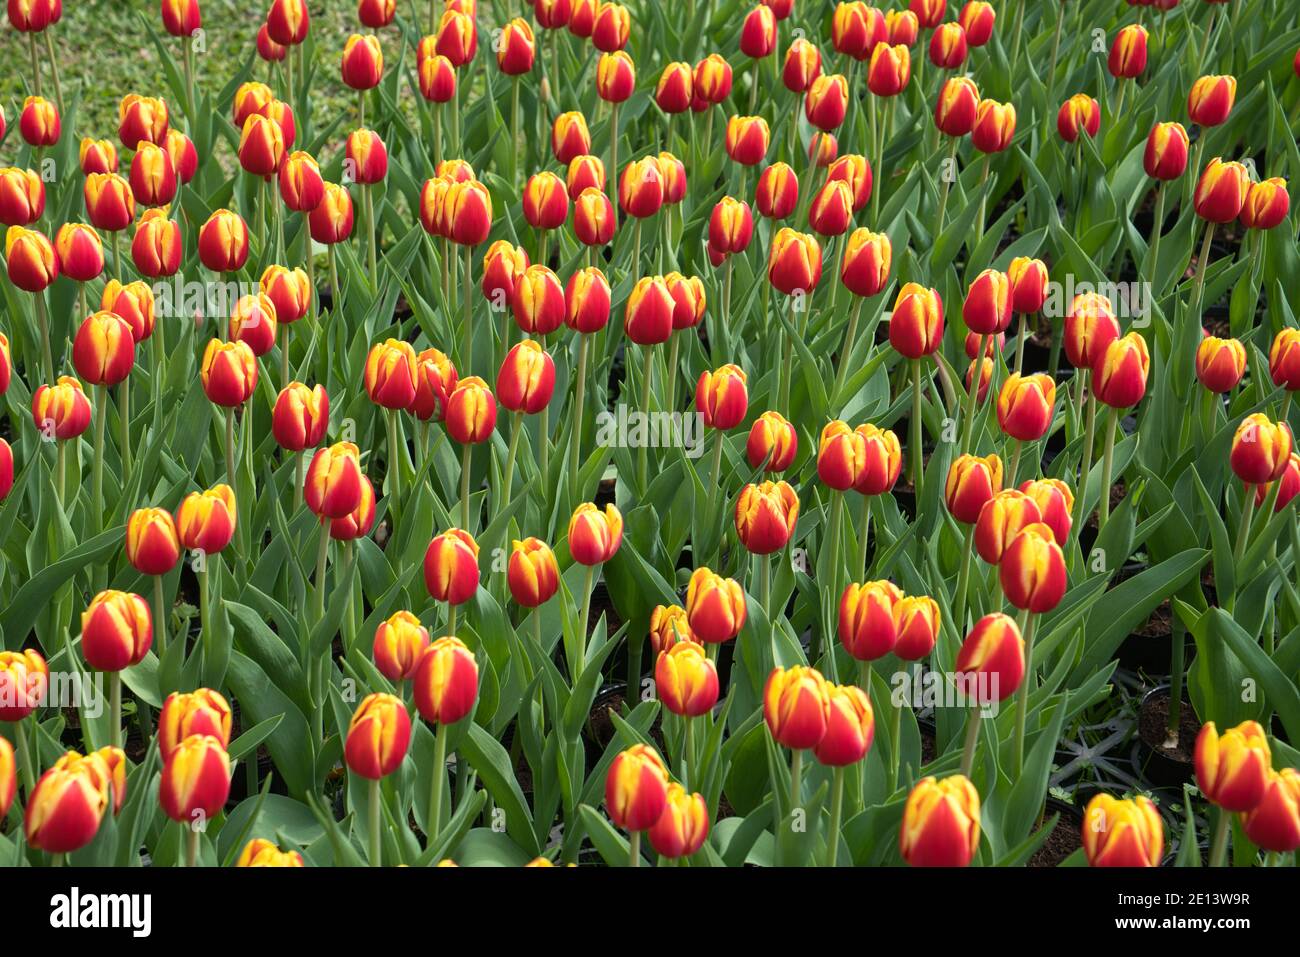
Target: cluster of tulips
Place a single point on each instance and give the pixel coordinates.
(350, 394)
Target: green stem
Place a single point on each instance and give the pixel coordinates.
(575, 436)
(915, 453)
(837, 810)
(963, 580)
(43, 320)
(159, 616)
(97, 475)
(1177, 653)
(864, 538)
(973, 393)
(1020, 342)
(576, 667)
(949, 172)
(376, 836)
(507, 477)
(434, 824)
(192, 839)
(972, 738)
(846, 353)
(1107, 463)
(124, 410)
(1219, 847)
(634, 849)
(895, 734)
(115, 708)
(467, 294)
(1156, 224)
(322, 557)
(1022, 695)
(643, 450)
(28, 763)
(230, 445)
(465, 451)
(395, 444)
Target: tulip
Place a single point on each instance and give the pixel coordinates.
(795, 262)
(300, 417)
(1220, 363)
(688, 301)
(831, 212)
(1284, 359)
(134, 303)
(641, 189)
(1128, 54)
(1232, 769)
(648, 319)
(1032, 570)
(288, 21)
(1002, 518)
(377, 740)
(516, 48)
(205, 521)
(24, 681)
(39, 122)
(201, 712)
(675, 89)
(850, 730)
(435, 379)
(400, 641)
(901, 26)
(766, 514)
(1090, 328)
(594, 537)
(928, 12)
(916, 622)
(712, 79)
(856, 29)
(331, 221)
(96, 156)
(446, 688)
(841, 454)
(527, 377)
(594, 220)
(437, 76)
(332, 487)
(141, 119)
(249, 98)
(301, 185)
(67, 804)
(390, 375)
(587, 301)
(261, 147)
(582, 19)
(223, 242)
(32, 17)
(22, 196)
(1267, 204)
(585, 172)
(80, 251)
(1260, 449)
(253, 322)
(110, 204)
(471, 417)
(826, 101)
(1274, 823)
(971, 482)
(1165, 157)
(721, 397)
(803, 64)
(991, 662)
(1079, 114)
(503, 264)
(1211, 99)
(610, 29)
(866, 619)
(772, 443)
(259, 852)
(686, 681)
(747, 139)
(948, 46)
(684, 824)
(116, 632)
(731, 226)
(357, 523)
(916, 324)
(156, 248)
(758, 33)
(532, 573)
(796, 707)
(61, 411)
(229, 372)
(546, 201)
(715, 607)
(457, 37)
(1025, 406)
(977, 19)
(1221, 191)
(636, 787)
(152, 547)
(995, 126)
(615, 79)
(941, 823)
(777, 192)
(195, 784)
(1120, 373)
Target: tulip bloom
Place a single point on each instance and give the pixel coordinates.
(1220, 363)
(713, 79)
(1025, 406)
(715, 607)
(856, 29)
(141, 119)
(1122, 833)
(61, 411)
(777, 192)
(721, 397)
(587, 301)
(686, 681)
(446, 682)
(527, 377)
(33, 263)
(152, 546)
(1267, 204)
(803, 64)
(516, 48)
(796, 706)
(437, 77)
(1120, 374)
(1232, 769)
(994, 127)
(332, 488)
(22, 196)
(331, 221)
(1221, 191)
(546, 201)
(253, 322)
(688, 300)
(948, 46)
(200, 712)
(916, 324)
(261, 148)
(827, 101)
(794, 262)
(468, 211)
(357, 523)
(457, 37)
(684, 824)
(641, 188)
(301, 185)
(648, 319)
(747, 139)
(841, 455)
(610, 29)
(867, 629)
(205, 521)
(676, 88)
(195, 779)
(595, 536)
(400, 641)
(569, 137)
(538, 303)
(831, 212)
(229, 372)
(971, 482)
(24, 681)
(378, 737)
(39, 122)
(300, 417)
(288, 21)
(991, 661)
(850, 729)
(80, 251)
(1002, 518)
(156, 248)
(731, 226)
(68, 803)
(772, 444)
(1211, 99)
(766, 515)
(503, 264)
(956, 107)
(471, 411)
(1128, 54)
(103, 350)
(615, 76)
(259, 852)
(223, 242)
(1260, 449)
(116, 631)
(1274, 823)
(390, 374)
(636, 788)
(532, 573)
(941, 823)
(916, 621)
(249, 98)
(1032, 570)
(594, 220)
(585, 172)
(1165, 156)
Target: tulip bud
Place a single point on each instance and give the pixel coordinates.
(1211, 99)
(772, 443)
(201, 712)
(96, 156)
(400, 642)
(300, 417)
(948, 46)
(332, 485)
(205, 521)
(1128, 54)
(195, 778)
(546, 201)
(916, 622)
(866, 620)
(916, 324)
(615, 76)
(1232, 769)
(331, 221)
(185, 157)
(468, 209)
(583, 18)
(229, 372)
(721, 397)
(977, 19)
(684, 824)
(972, 481)
(259, 852)
(688, 300)
(437, 77)
(595, 536)
(827, 101)
(856, 29)
(928, 12)
(686, 680)
(995, 126)
(358, 522)
(1090, 328)
(141, 119)
(61, 411)
(287, 21)
(569, 137)
(538, 302)
(795, 262)
(156, 248)
(901, 26)
(253, 322)
(648, 319)
(516, 48)
(841, 455)
(446, 682)
(390, 374)
(153, 178)
(378, 737)
(1267, 204)
(367, 157)
(991, 662)
(587, 301)
(715, 607)
(641, 188)
(941, 823)
(39, 122)
(747, 139)
(1025, 405)
(1260, 449)
(6, 369)
(1274, 823)
(24, 681)
(1220, 363)
(527, 377)
(758, 33)
(850, 727)
(152, 547)
(288, 290)
(532, 573)
(103, 350)
(713, 79)
(457, 37)
(471, 411)
(223, 242)
(1079, 114)
(610, 30)
(1165, 157)
(636, 788)
(435, 380)
(22, 196)
(777, 192)
(831, 212)
(133, 303)
(110, 204)
(594, 219)
(585, 172)
(66, 806)
(803, 64)
(1284, 359)
(796, 706)
(80, 251)
(249, 98)
(766, 514)
(1032, 570)
(1119, 378)
(676, 88)
(451, 571)
(32, 262)
(376, 13)
(1002, 518)
(552, 14)
(33, 17)
(503, 264)
(731, 226)
(116, 631)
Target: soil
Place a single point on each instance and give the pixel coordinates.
(600, 728)
(1159, 625)
(928, 750)
(1064, 840)
(1151, 725)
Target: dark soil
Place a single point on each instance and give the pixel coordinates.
(1064, 840)
(1151, 725)
(928, 750)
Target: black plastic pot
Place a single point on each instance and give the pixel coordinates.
(1154, 764)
